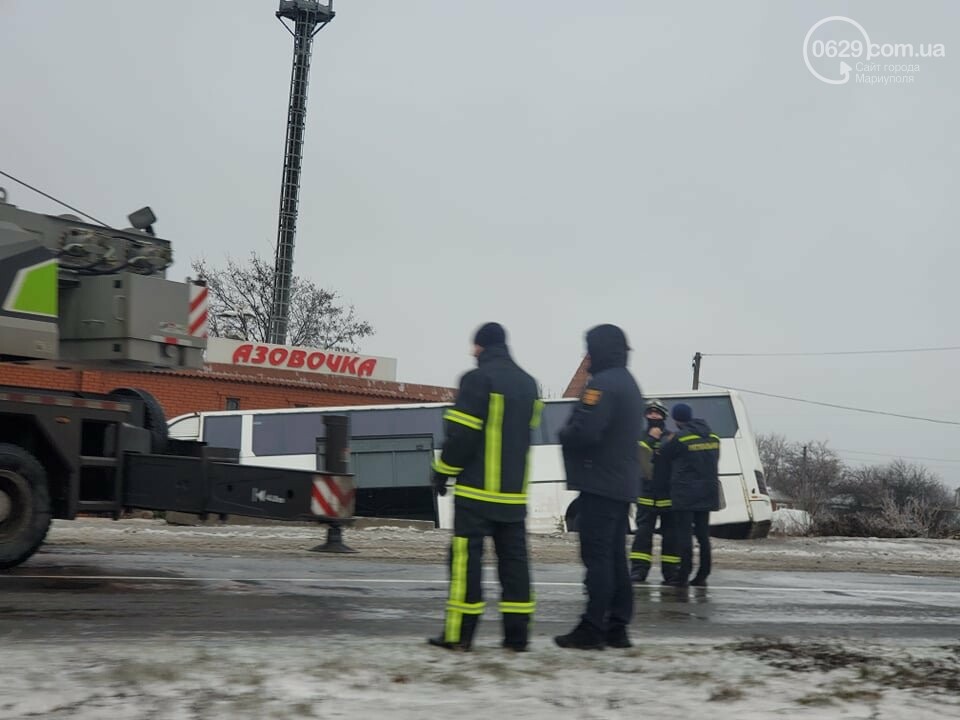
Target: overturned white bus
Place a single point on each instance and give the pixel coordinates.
(392, 447)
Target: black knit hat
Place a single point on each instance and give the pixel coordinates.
(490, 334)
(682, 412)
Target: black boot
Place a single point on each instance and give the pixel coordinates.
(617, 637)
(699, 580)
(454, 646)
(582, 637)
(516, 631)
(638, 573)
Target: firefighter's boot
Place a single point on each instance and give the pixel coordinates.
(638, 573)
(454, 646)
(583, 637)
(617, 637)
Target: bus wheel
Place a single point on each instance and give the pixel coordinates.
(154, 419)
(24, 505)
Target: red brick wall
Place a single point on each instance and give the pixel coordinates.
(579, 381)
(181, 393)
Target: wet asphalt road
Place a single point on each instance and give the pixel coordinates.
(77, 594)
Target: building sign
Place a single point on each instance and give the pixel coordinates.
(299, 359)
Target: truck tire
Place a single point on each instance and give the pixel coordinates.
(24, 505)
(154, 419)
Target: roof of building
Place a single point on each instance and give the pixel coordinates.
(579, 380)
(317, 381)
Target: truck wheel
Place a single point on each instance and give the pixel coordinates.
(154, 419)
(24, 505)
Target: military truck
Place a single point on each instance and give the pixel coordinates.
(76, 294)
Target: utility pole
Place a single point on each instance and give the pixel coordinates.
(696, 370)
(309, 17)
(803, 480)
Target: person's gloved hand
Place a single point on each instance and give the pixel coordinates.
(440, 483)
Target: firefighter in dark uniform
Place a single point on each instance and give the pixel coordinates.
(601, 459)
(654, 502)
(486, 445)
(694, 457)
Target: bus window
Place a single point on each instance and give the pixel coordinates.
(398, 421)
(287, 433)
(553, 418)
(222, 431)
(185, 428)
(717, 411)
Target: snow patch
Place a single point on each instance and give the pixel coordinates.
(407, 680)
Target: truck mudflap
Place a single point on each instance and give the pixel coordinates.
(204, 485)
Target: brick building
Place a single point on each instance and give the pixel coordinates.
(229, 387)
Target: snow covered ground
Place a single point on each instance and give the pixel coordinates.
(407, 680)
(787, 521)
(237, 675)
(402, 544)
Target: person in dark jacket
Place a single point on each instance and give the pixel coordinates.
(487, 439)
(602, 462)
(694, 456)
(654, 502)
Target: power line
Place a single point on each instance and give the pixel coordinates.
(51, 197)
(833, 405)
(836, 352)
(903, 457)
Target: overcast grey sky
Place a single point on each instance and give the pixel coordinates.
(670, 167)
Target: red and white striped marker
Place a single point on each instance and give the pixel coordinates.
(333, 496)
(197, 318)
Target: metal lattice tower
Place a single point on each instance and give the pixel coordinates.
(309, 17)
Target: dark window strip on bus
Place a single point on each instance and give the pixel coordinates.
(296, 433)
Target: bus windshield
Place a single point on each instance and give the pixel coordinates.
(717, 411)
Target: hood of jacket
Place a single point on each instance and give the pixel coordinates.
(492, 352)
(607, 347)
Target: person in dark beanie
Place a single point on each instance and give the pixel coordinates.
(694, 457)
(601, 455)
(487, 438)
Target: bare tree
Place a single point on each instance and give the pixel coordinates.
(904, 500)
(775, 453)
(820, 472)
(899, 499)
(808, 473)
(240, 300)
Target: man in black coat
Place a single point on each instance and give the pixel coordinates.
(694, 456)
(487, 439)
(601, 456)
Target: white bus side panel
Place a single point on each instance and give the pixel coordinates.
(548, 497)
(547, 494)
